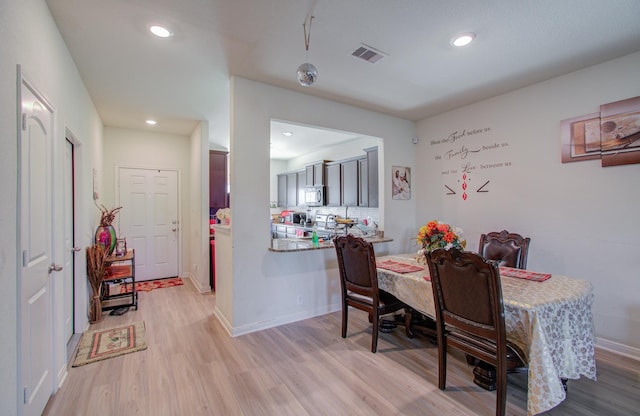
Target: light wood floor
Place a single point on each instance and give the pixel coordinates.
(192, 367)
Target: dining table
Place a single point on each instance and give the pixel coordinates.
(547, 315)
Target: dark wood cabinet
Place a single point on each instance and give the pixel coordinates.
(309, 178)
(282, 190)
(302, 184)
(372, 177)
(316, 174)
(319, 170)
(333, 185)
(218, 180)
(349, 172)
(363, 183)
(292, 189)
(350, 182)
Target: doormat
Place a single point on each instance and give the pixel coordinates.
(111, 342)
(149, 285)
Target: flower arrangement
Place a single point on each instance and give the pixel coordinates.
(107, 215)
(436, 234)
(224, 215)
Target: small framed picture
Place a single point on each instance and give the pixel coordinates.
(400, 182)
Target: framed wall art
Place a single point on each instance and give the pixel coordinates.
(612, 135)
(400, 182)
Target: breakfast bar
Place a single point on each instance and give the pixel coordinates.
(282, 245)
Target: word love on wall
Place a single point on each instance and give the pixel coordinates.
(467, 158)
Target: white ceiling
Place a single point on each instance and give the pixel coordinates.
(132, 76)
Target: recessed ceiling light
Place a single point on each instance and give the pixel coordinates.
(161, 32)
(151, 122)
(463, 39)
(287, 133)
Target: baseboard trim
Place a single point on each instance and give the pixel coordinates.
(196, 284)
(287, 319)
(617, 348)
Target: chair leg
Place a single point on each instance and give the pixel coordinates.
(345, 316)
(501, 390)
(374, 332)
(442, 362)
(408, 328)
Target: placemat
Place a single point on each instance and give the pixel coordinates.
(398, 267)
(524, 274)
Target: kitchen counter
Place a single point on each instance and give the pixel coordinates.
(287, 245)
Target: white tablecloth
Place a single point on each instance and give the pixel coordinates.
(550, 321)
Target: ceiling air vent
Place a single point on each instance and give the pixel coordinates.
(368, 54)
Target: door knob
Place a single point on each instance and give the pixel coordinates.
(75, 249)
(174, 229)
(54, 268)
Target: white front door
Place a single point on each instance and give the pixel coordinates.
(35, 255)
(149, 220)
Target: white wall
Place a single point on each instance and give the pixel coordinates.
(31, 39)
(266, 284)
(148, 149)
(197, 236)
(582, 218)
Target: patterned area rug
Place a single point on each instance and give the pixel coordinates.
(149, 285)
(111, 342)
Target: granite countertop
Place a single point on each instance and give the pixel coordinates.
(287, 245)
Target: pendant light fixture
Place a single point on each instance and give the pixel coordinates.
(307, 73)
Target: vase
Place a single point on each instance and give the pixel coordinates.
(106, 237)
(95, 309)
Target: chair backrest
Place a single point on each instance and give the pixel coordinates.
(467, 293)
(508, 249)
(357, 265)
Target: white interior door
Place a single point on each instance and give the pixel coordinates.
(35, 244)
(69, 245)
(149, 220)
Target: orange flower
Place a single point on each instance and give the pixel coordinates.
(449, 237)
(436, 234)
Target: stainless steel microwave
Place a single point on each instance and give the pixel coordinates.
(314, 196)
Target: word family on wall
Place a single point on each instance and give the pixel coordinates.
(466, 156)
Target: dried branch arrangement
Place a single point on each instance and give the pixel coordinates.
(108, 215)
(95, 273)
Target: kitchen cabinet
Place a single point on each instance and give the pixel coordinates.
(279, 231)
(333, 185)
(302, 184)
(119, 282)
(292, 189)
(316, 173)
(363, 183)
(372, 177)
(218, 180)
(309, 178)
(349, 181)
(285, 231)
(282, 190)
(319, 170)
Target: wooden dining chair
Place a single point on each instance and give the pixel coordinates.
(470, 313)
(359, 283)
(508, 249)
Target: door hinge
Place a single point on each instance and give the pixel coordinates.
(24, 121)
(26, 395)
(24, 258)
